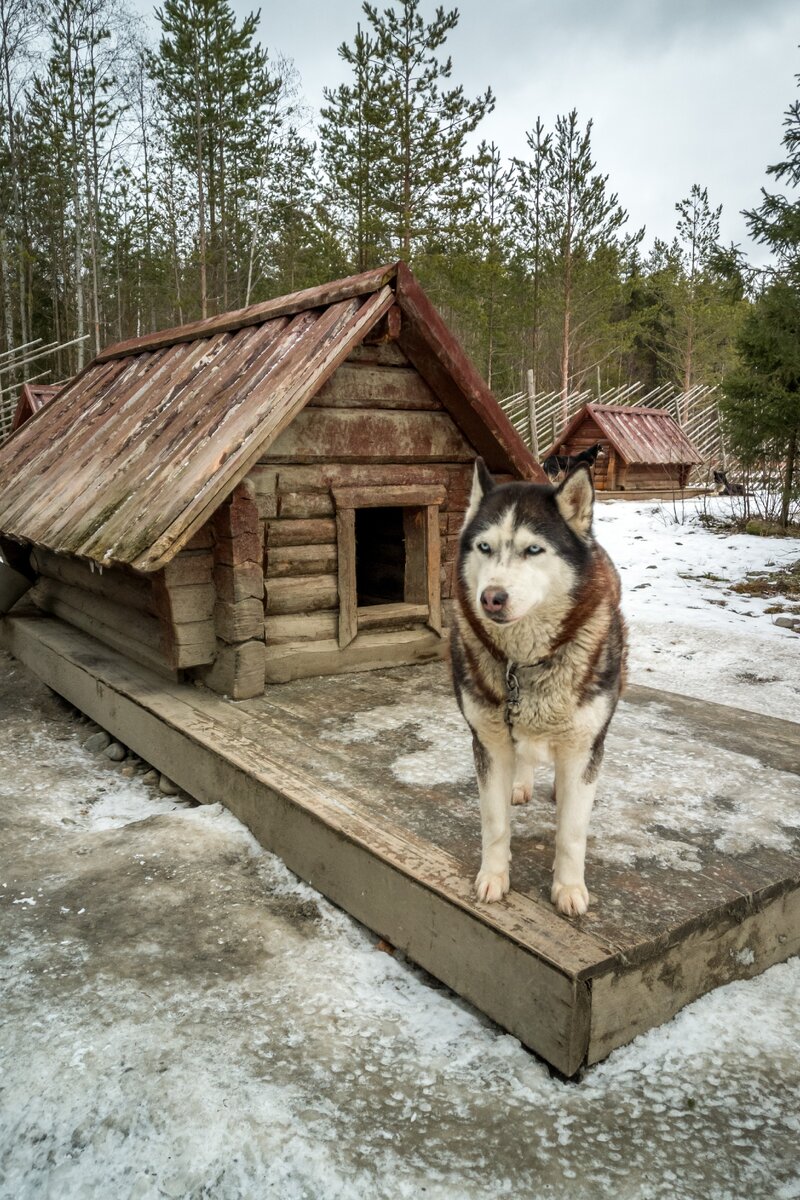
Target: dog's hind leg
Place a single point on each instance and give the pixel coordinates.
(522, 787)
(576, 786)
(495, 770)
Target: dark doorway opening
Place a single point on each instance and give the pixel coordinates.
(380, 556)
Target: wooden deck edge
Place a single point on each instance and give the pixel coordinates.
(627, 1003)
(547, 1010)
(771, 740)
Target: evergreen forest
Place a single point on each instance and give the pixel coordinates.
(154, 173)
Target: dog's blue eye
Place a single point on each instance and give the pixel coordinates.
(484, 548)
(535, 550)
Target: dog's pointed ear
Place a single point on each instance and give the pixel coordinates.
(482, 484)
(575, 500)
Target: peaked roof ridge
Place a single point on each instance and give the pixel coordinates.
(596, 406)
(626, 427)
(254, 314)
(140, 448)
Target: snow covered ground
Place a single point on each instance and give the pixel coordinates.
(689, 632)
(181, 1018)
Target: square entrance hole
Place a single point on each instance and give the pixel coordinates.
(380, 556)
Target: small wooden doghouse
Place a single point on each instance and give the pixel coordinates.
(644, 449)
(32, 397)
(264, 495)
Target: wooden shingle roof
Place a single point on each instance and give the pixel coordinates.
(639, 435)
(137, 451)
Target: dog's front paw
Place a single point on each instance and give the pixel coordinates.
(521, 794)
(491, 887)
(570, 899)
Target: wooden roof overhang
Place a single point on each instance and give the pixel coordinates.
(139, 449)
(649, 436)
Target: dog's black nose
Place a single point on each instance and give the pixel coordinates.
(494, 600)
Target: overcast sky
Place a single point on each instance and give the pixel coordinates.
(681, 91)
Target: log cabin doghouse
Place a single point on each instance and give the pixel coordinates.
(32, 397)
(644, 449)
(268, 494)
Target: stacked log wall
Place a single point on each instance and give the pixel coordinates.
(164, 621)
(376, 423)
(115, 605)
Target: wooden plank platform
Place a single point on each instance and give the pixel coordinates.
(665, 493)
(364, 786)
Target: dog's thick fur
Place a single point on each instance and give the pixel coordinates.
(556, 466)
(538, 657)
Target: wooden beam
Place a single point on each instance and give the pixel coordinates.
(366, 652)
(309, 593)
(347, 583)
(372, 496)
(433, 553)
(285, 561)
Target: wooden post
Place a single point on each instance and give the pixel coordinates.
(532, 415)
(348, 583)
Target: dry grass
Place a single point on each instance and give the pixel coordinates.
(783, 582)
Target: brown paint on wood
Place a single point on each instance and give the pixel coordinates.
(251, 428)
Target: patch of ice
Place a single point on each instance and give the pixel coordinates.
(447, 756)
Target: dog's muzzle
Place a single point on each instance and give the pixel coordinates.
(493, 603)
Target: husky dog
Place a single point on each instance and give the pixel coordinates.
(557, 465)
(538, 656)
(723, 488)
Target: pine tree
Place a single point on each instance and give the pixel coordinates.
(394, 141)
(531, 235)
(354, 145)
(580, 219)
(776, 222)
(215, 86)
(698, 240)
(762, 396)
